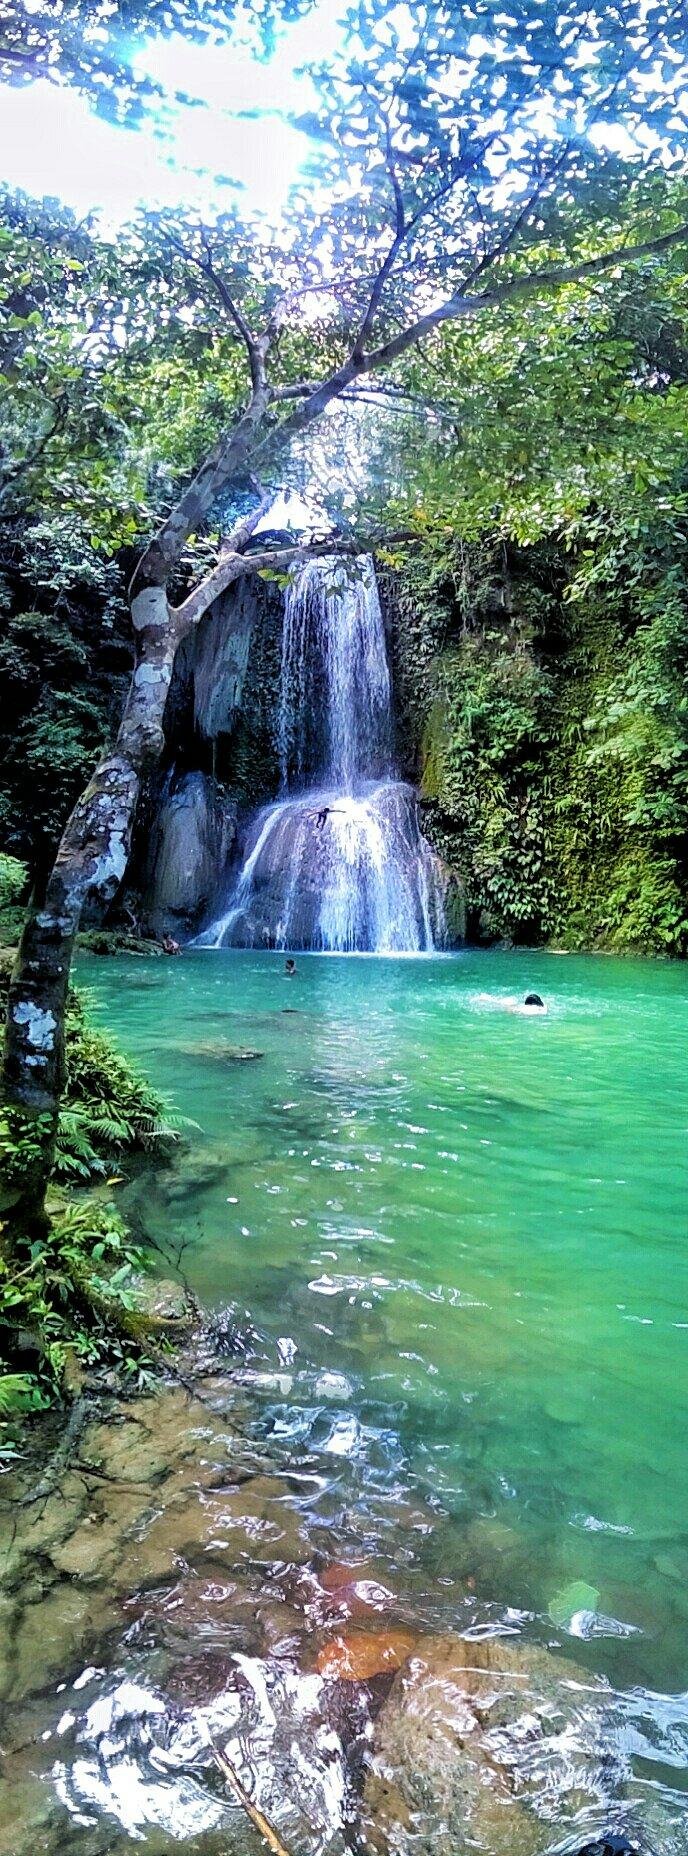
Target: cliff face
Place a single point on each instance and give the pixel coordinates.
(548, 735)
(222, 759)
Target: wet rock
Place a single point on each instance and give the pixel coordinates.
(482, 1745)
(56, 1636)
(26, 1801)
(156, 1306)
(190, 842)
(357, 1655)
(196, 1681)
(252, 1525)
(333, 1386)
(147, 1755)
(355, 1589)
(280, 1383)
(91, 1552)
(151, 1468)
(37, 1528)
(162, 1304)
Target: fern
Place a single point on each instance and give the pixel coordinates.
(17, 1393)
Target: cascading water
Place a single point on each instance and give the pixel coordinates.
(338, 863)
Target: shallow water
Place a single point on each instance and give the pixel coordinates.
(461, 1237)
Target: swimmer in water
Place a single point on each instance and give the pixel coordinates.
(521, 1007)
(289, 969)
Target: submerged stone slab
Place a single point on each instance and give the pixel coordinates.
(482, 1746)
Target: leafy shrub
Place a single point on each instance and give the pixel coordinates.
(13, 880)
(66, 1291)
(68, 1287)
(108, 1108)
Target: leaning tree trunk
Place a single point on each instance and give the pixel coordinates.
(89, 867)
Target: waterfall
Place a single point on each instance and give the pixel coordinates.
(335, 721)
(338, 863)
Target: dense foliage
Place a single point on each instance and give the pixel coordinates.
(65, 1293)
(551, 732)
(537, 452)
(98, 47)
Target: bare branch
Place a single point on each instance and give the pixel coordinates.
(238, 538)
(207, 268)
(387, 265)
(511, 232)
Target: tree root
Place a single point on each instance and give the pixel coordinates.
(79, 1416)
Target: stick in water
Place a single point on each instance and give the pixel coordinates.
(230, 1773)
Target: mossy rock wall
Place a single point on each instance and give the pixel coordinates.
(548, 736)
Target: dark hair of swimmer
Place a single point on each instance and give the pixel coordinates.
(533, 998)
(290, 966)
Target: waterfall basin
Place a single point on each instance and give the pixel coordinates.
(459, 1424)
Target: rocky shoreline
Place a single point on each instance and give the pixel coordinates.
(178, 1590)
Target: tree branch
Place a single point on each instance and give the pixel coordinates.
(552, 278)
(233, 566)
(300, 391)
(511, 232)
(387, 265)
(56, 424)
(207, 269)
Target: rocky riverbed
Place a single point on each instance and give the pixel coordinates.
(193, 1579)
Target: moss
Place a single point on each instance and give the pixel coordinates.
(544, 711)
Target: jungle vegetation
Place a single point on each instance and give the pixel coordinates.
(484, 307)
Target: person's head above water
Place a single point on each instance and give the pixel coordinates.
(290, 967)
(533, 998)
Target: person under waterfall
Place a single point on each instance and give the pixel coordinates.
(322, 814)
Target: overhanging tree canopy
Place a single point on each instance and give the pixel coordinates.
(94, 46)
(459, 172)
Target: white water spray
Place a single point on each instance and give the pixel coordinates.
(338, 863)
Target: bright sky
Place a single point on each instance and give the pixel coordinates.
(52, 143)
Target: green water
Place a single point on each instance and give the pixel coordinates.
(480, 1220)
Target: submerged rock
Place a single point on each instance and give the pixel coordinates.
(216, 1050)
(358, 1655)
(148, 1755)
(481, 1746)
(354, 1589)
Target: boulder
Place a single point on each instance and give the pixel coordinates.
(481, 1746)
(190, 845)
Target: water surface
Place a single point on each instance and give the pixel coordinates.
(460, 1234)
(479, 1218)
